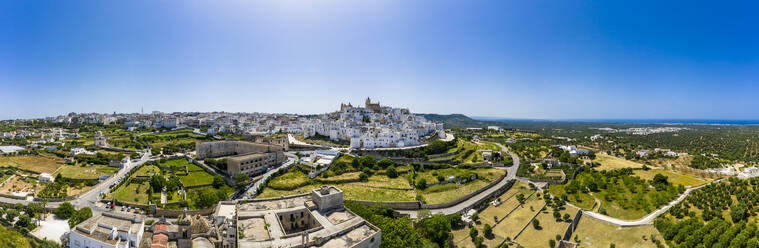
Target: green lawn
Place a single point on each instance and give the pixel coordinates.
(293, 177)
(196, 178)
(449, 192)
(147, 171)
(132, 192)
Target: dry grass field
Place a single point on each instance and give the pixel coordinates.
(38, 163)
(594, 233)
(611, 163)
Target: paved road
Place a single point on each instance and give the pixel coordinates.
(252, 190)
(511, 173)
(646, 220)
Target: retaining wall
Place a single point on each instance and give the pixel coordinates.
(572, 226)
(463, 198)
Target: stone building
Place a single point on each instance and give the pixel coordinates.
(100, 140)
(242, 157)
(315, 220)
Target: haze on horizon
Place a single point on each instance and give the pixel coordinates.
(513, 59)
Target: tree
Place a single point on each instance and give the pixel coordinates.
(218, 181)
(79, 216)
(566, 217)
(738, 213)
(473, 233)
(478, 241)
(34, 209)
(157, 182)
(520, 198)
(391, 172)
(551, 243)
(385, 162)
(241, 180)
(557, 215)
(487, 231)
(363, 177)
(24, 221)
(421, 183)
(173, 184)
(65, 210)
(367, 161)
(436, 228)
(536, 224)
(11, 214)
(207, 197)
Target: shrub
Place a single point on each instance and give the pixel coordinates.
(391, 172)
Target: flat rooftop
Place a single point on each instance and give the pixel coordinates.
(350, 238)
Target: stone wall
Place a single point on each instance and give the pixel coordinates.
(463, 198)
(572, 226)
(399, 205)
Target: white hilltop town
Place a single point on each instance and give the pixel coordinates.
(222, 145)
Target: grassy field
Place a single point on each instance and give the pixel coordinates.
(519, 218)
(196, 178)
(132, 192)
(37, 163)
(146, 171)
(87, 172)
(449, 192)
(292, 178)
(467, 152)
(489, 174)
(9, 237)
(532, 237)
(582, 200)
(610, 163)
(509, 202)
(594, 233)
(675, 178)
(358, 190)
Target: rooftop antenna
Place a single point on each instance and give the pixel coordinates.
(142, 110)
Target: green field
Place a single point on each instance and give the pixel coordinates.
(196, 178)
(449, 192)
(132, 192)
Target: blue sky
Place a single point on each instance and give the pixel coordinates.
(515, 59)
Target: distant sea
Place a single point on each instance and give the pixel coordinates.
(631, 121)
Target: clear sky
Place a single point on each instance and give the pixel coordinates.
(502, 58)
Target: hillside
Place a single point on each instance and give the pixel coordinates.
(458, 120)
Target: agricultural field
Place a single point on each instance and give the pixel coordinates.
(594, 233)
(611, 163)
(549, 228)
(45, 163)
(674, 177)
(514, 222)
(86, 172)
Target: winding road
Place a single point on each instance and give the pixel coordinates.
(646, 220)
(511, 173)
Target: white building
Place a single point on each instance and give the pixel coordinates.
(109, 230)
(45, 178)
